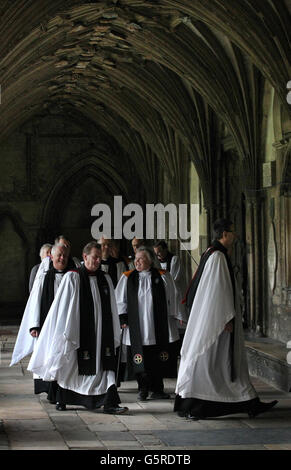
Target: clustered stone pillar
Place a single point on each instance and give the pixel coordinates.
(286, 288)
(254, 241)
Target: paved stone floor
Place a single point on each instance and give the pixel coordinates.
(29, 422)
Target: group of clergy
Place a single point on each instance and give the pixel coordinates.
(84, 319)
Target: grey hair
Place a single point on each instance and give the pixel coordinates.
(46, 246)
(149, 253)
(89, 247)
(58, 245)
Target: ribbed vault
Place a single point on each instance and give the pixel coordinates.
(160, 77)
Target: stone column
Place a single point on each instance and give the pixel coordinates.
(255, 244)
(286, 258)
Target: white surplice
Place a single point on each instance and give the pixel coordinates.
(177, 275)
(145, 307)
(205, 366)
(25, 343)
(55, 354)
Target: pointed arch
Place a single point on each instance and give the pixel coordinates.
(91, 164)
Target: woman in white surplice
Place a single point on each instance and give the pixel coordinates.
(147, 305)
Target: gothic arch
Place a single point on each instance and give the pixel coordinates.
(89, 165)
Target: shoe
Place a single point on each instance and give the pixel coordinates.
(61, 407)
(142, 396)
(261, 407)
(159, 396)
(115, 410)
(193, 418)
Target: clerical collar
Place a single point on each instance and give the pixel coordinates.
(145, 272)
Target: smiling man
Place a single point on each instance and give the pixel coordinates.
(79, 339)
(41, 297)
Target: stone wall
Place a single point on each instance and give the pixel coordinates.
(52, 173)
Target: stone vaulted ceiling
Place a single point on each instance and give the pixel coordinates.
(158, 76)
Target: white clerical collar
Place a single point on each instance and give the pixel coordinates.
(145, 273)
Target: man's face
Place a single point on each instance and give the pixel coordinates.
(60, 258)
(92, 261)
(136, 243)
(45, 252)
(114, 250)
(161, 253)
(230, 236)
(105, 247)
(141, 262)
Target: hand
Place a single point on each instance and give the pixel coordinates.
(34, 333)
(229, 327)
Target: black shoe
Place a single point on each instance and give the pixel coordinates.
(61, 407)
(142, 396)
(261, 407)
(193, 418)
(115, 410)
(159, 396)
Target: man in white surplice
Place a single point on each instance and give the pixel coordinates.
(172, 263)
(213, 378)
(113, 266)
(79, 338)
(41, 297)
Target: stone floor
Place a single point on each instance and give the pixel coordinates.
(29, 422)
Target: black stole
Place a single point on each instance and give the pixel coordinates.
(87, 349)
(160, 316)
(48, 293)
(112, 269)
(193, 286)
(192, 289)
